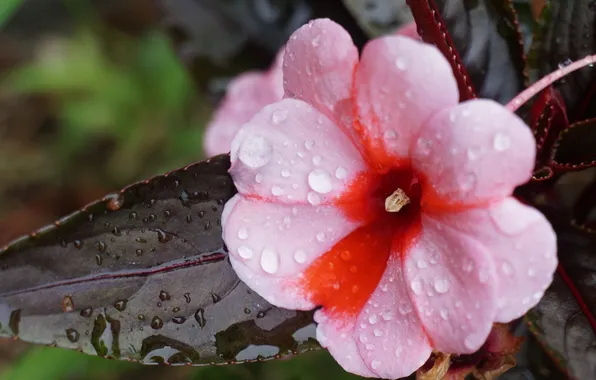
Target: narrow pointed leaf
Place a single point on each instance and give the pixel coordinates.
(482, 41)
(143, 275)
(575, 147)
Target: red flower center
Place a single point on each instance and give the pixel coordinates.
(343, 279)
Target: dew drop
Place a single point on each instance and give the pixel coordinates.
(242, 233)
(245, 252)
(277, 191)
(67, 304)
(468, 266)
(507, 268)
(472, 341)
(269, 261)
(120, 305)
(320, 181)
(341, 173)
(442, 285)
(309, 144)
(164, 296)
(421, 264)
(321, 236)
(501, 142)
(389, 135)
(416, 286)
(156, 323)
(313, 198)
(400, 63)
(258, 178)
(279, 116)
(375, 364)
(255, 151)
(317, 160)
(444, 314)
(73, 335)
(424, 146)
(372, 319)
(531, 272)
(285, 173)
(300, 256)
(179, 320)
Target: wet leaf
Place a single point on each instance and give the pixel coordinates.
(482, 41)
(564, 321)
(566, 35)
(548, 119)
(575, 147)
(142, 275)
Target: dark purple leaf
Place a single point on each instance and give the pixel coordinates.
(482, 41)
(143, 275)
(575, 147)
(564, 321)
(567, 34)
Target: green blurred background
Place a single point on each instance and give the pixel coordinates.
(97, 95)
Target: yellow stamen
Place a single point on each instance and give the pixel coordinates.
(396, 201)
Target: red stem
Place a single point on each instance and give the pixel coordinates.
(432, 29)
(578, 297)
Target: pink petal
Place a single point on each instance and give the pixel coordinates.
(337, 336)
(400, 83)
(452, 283)
(409, 30)
(389, 334)
(474, 153)
(271, 244)
(291, 153)
(523, 245)
(246, 95)
(319, 64)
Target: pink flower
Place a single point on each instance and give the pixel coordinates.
(369, 191)
(248, 94)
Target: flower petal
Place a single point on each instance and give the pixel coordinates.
(246, 95)
(291, 153)
(473, 153)
(409, 30)
(271, 244)
(389, 334)
(452, 283)
(337, 336)
(522, 243)
(399, 84)
(319, 65)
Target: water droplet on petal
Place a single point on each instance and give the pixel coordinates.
(389, 135)
(258, 178)
(321, 236)
(245, 252)
(378, 332)
(531, 272)
(317, 160)
(255, 151)
(313, 198)
(285, 173)
(501, 142)
(320, 181)
(242, 233)
(424, 146)
(372, 319)
(341, 173)
(300, 256)
(401, 64)
(279, 116)
(370, 346)
(416, 286)
(375, 364)
(72, 335)
(421, 264)
(444, 314)
(269, 261)
(277, 191)
(309, 144)
(472, 341)
(507, 268)
(442, 285)
(473, 154)
(316, 41)
(405, 308)
(467, 181)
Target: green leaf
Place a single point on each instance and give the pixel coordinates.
(7, 9)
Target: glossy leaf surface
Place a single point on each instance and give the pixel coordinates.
(143, 275)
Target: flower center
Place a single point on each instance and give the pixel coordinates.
(396, 201)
